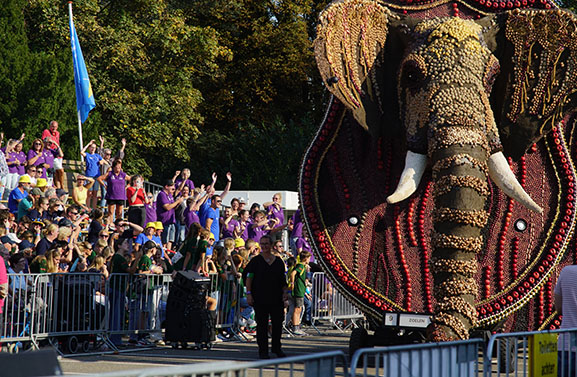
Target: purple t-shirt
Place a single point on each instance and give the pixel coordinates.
(11, 157)
(32, 154)
(297, 225)
(48, 156)
(21, 156)
(166, 217)
(255, 233)
(274, 213)
(228, 231)
(302, 244)
(190, 217)
(244, 234)
(116, 186)
(150, 212)
(188, 183)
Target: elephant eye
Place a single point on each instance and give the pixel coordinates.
(413, 76)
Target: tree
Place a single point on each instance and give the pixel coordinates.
(35, 84)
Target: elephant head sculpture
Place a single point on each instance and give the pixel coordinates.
(470, 96)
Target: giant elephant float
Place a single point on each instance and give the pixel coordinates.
(442, 179)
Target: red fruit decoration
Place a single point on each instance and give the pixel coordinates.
(383, 261)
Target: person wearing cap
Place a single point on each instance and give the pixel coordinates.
(159, 228)
(238, 244)
(19, 193)
(165, 212)
(149, 234)
(241, 203)
(61, 195)
(42, 184)
(31, 173)
(26, 204)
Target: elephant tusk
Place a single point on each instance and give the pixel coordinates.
(501, 174)
(415, 164)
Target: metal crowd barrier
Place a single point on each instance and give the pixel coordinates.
(326, 364)
(329, 304)
(449, 359)
(537, 353)
(228, 294)
(136, 305)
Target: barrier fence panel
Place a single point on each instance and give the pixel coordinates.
(329, 304)
(537, 353)
(17, 310)
(324, 364)
(449, 359)
(136, 305)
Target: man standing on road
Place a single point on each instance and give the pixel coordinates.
(266, 292)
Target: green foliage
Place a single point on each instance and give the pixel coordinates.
(36, 84)
(214, 85)
(261, 158)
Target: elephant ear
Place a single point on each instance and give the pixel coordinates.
(537, 85)
(349, 47)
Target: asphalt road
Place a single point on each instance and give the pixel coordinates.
(330, 339)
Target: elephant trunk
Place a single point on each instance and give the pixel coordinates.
(460, 173)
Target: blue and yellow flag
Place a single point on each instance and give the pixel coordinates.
(84, 96)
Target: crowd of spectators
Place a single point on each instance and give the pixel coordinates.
(46, 229)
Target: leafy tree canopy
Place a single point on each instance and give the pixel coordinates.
(223, 85)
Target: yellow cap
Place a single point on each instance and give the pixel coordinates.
(40, 182)
(151, 224)
(211, 237)
(238, 242)
(24, 179)
(158, 225)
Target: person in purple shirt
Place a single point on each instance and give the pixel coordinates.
(183, 180)
(115, 180)
(49, 153)
(193, 205)
(260, 226)
(150, 208)
(35, 156)
(274, 209)
(241, 230)
(93, 161)
(295, 225)
(16, 161)
(165, 205)
(228, 224)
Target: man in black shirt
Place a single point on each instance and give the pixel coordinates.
(267, 291)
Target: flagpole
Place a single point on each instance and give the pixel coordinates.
(78, 112)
